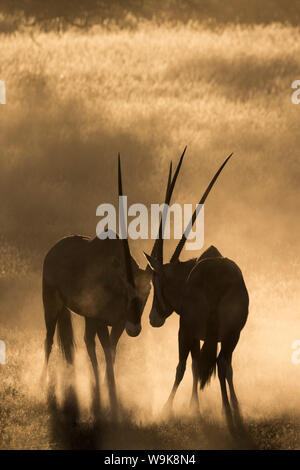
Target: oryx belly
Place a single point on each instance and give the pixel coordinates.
(96, 302)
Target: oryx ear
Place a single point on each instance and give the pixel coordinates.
(152, 262)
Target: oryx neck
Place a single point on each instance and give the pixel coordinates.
(179, 270)
(176, 275)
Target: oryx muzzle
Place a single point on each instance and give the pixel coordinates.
(133, 329)
(156, 320)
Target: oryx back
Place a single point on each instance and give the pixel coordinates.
(89, 276)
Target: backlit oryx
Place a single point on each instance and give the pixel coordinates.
(211, 298)
(99, 280)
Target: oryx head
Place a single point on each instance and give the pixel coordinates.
(161, 308)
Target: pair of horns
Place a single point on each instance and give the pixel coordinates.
(157, 250)
(181, 243)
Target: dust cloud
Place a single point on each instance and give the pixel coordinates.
(70, 108)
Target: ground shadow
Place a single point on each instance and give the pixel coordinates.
(67, 430)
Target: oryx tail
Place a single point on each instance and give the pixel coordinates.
(65, 334)
(208, 354)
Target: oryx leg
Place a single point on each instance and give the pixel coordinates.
(195, 352)
(115, 334)
(229, 378)
(89, 338)
(225, 373)
(103, 335)
(52, 305)
(184, 346)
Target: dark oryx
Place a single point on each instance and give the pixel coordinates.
(211, 298)
(99, 280)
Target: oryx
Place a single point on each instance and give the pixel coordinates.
(211, 298)
(99, 280)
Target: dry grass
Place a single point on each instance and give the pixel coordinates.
(74, 100)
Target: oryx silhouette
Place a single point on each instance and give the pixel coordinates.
(210, 295)
(99, 280)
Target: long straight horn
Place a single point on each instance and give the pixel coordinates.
(157, 250)
(180, 245)
(127, 256)
(169, 180)
(154, 252)
(160, 253)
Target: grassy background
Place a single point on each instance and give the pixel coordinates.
(74, 100)
(63, 14)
